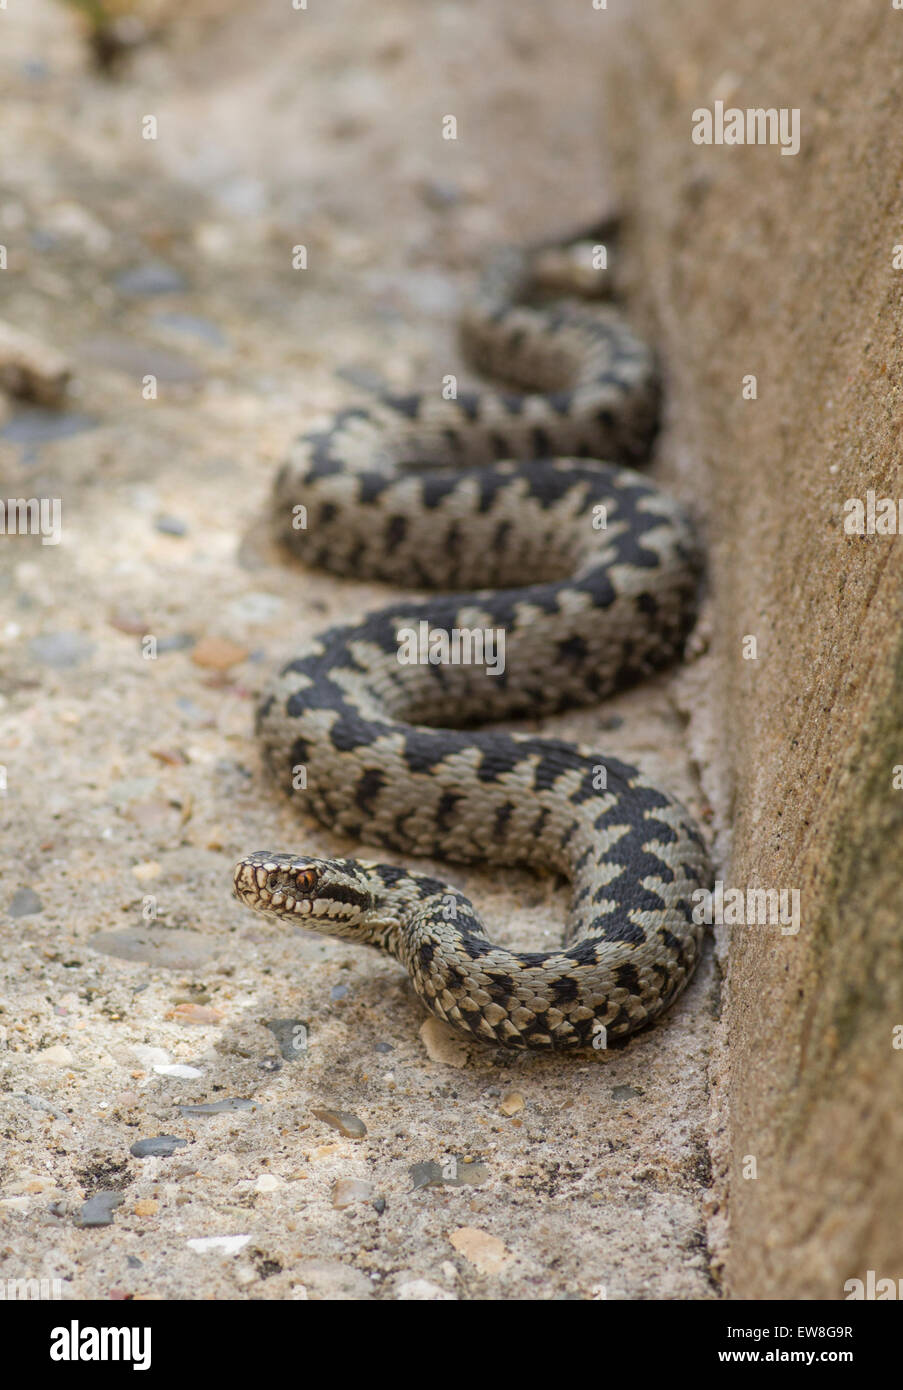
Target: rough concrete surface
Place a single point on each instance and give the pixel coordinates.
(745, 262)
(133, 985)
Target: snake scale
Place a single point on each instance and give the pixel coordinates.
(587, 575)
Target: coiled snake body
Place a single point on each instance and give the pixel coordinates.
(587, 574)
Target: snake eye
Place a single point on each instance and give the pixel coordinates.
(296, 882)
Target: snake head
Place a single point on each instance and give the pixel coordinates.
(327, 895)
(283, 883)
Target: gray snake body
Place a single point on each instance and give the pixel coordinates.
(481, 494)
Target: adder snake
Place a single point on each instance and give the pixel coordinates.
(587, 576)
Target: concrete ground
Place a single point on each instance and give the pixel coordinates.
(134, 989)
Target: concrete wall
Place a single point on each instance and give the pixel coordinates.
(742, 260)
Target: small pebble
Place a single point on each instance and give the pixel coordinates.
(217, 653)
(338, 992)
(347, 1191)
(128, 620)
(176, 642)
(146, 1206)
(512, 1103)
(217, 1107)
(439, 194)
(200, 1015)
(350, 1125)
(30, 368)
(323, 1151)
(268, 1182)
(172, 757)
(179, 1069)
(98, 1210)
(383, 1047)
(24, 903)
(61, 650)
(40, 426)
(171, 526)
(485, 1252)
(160, 1146)
(624, 1093)
(153, 277)
(148, 870)
(57, 1056)
(220, 1245)
(28, 1185)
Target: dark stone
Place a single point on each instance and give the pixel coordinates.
(452, 1172)
(160, 1146)
(177, 642)
(39, 426)
(60, 649)
(153, 277)
(171, 526)
(291, 1034)
(98, 1210)
(24, 903)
